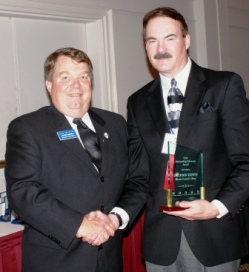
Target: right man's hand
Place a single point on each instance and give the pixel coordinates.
(96, 228)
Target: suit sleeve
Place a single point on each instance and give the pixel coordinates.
(27, 196)
(235, 127)
(135, 192)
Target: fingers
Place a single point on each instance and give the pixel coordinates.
(195, 210)
(92, 239)
(101, 216)
(96, 228)
(185, 204)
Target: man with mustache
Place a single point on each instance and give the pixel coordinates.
(210, 116)
(162, 56)
(54, 181)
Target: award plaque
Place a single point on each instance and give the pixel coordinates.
(183, 177)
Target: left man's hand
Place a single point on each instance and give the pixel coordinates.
(96, 228)
(196, 210)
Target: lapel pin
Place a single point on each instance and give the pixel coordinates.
(106, 137)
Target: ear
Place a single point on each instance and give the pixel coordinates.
(49, 86)
(187, 41)
(146, 45)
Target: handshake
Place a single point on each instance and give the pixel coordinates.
(97, 227)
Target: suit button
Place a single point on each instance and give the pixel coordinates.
(102, 179)
(102, 208)
(100, 247)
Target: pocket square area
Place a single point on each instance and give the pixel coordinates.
(205, 107)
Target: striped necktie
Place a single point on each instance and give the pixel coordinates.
(91, 142)
(175, 100)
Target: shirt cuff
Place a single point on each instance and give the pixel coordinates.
(123, 214)
(221, 208)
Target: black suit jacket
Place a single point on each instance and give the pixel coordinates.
(214, 120)
(52, 184)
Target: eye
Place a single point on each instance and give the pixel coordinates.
(84, 77)
(65, 78)
(151, 42)
(171, 38)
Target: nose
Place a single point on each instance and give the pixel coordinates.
(161, 46)
(76, 83)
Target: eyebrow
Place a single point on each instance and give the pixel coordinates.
(63, 73)
(168, 36)
(68, 72)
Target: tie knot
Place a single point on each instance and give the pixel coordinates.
(173, 83)
(79, 122)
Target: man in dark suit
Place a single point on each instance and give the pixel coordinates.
(54, 185)
(211, 234)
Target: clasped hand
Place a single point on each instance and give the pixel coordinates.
(97, 227)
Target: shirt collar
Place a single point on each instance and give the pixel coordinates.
(86, 119)
(181, 78)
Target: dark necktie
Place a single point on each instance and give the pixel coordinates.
(91, 142)
(175, 99)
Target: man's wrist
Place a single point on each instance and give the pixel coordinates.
(120, 222)
(124, 216)
(220, 207)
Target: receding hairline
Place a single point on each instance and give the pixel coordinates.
(166, 12)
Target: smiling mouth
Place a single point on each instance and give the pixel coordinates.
(75, 94)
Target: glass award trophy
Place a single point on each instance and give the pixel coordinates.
(183, 177)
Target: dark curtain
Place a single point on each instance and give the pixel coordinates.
(132, 248)
(10, 252)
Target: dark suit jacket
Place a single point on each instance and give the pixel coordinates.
(52, 184)
(214, 120)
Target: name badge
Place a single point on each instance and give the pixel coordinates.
(169, 138)
(66, 135)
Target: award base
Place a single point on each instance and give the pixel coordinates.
(171, 208)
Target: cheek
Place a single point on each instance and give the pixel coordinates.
(87, 92)
(86, 87)
(150, 52)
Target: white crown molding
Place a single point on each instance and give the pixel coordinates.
(53, 10)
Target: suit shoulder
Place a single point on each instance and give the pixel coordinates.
(214, 79)
(105, 114)
(145, 90)
(211, 72)
(214, 75)
(34, 116)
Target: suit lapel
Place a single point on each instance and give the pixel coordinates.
(105, 136)
(194, 93)
(156, 107)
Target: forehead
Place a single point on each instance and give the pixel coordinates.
(162, 26)
(67, 64)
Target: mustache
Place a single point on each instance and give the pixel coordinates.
(162, 56)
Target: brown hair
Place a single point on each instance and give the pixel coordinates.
(165, 12)
(75, 54)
